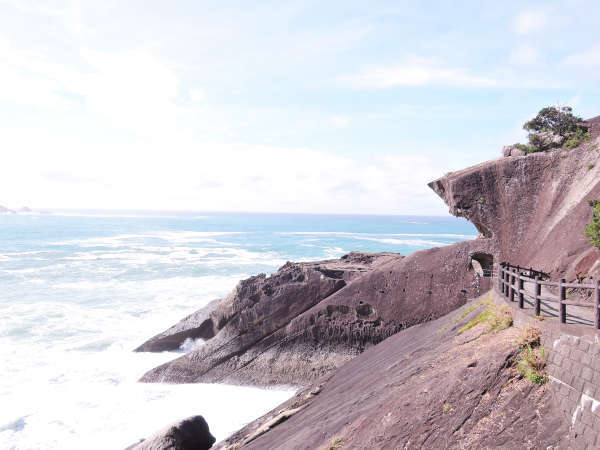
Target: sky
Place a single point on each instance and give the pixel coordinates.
(276, 106)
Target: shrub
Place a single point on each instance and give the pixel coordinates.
(529, 336)
(592, 230)
(526, 148)
(532, 364)
(553, 126)
(579, 137)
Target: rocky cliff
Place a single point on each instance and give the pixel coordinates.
(426, 384)
(309, 318)
(534, 208)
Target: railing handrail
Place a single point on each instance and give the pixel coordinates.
(529, 269)
(508, 274)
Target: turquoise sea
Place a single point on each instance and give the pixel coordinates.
(81, 289)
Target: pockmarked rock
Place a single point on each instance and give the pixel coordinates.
(308, 319)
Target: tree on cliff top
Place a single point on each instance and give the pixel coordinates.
(592, 231)
(554, 126)
(557, 119)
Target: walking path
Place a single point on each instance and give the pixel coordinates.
(579, 315)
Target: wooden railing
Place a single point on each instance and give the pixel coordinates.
(511, 284)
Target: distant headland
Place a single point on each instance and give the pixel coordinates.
(23, 210)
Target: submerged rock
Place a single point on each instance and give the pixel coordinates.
(187, 434)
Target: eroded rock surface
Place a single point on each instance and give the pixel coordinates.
(309, 318)
(425, 387)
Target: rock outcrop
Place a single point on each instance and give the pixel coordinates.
(425, 387)
(533, 209)
(512, 150)
(198, 325)
(188, 434)
(309, 318)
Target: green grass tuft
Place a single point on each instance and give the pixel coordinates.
(532, 364)
(335, 443)
(466, 312)
(496, 317)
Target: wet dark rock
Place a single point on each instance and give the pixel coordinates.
(188, 434)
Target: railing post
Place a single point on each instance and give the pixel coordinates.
(500, 278)
(538, 294)
(597, 301)
(521, 296)
(512, 286)
(563, 297)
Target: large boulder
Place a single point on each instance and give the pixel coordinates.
(187, 434)
(506, 150)
(547, 140)
(512, 150)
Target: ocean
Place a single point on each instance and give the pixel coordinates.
(80, 290)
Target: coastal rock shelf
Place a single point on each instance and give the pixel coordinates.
(308, 319)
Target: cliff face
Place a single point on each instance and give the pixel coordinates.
(532, 208)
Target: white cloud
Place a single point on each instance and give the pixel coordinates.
(197, 95)
(339, 121)
(589, 58)
(530, 21)
(524, 55)
(105, 172)
(132, 89)
(416, 72)
(27, 79)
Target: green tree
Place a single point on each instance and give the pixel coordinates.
(558, 119)
(554, 126)
(592, 231)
